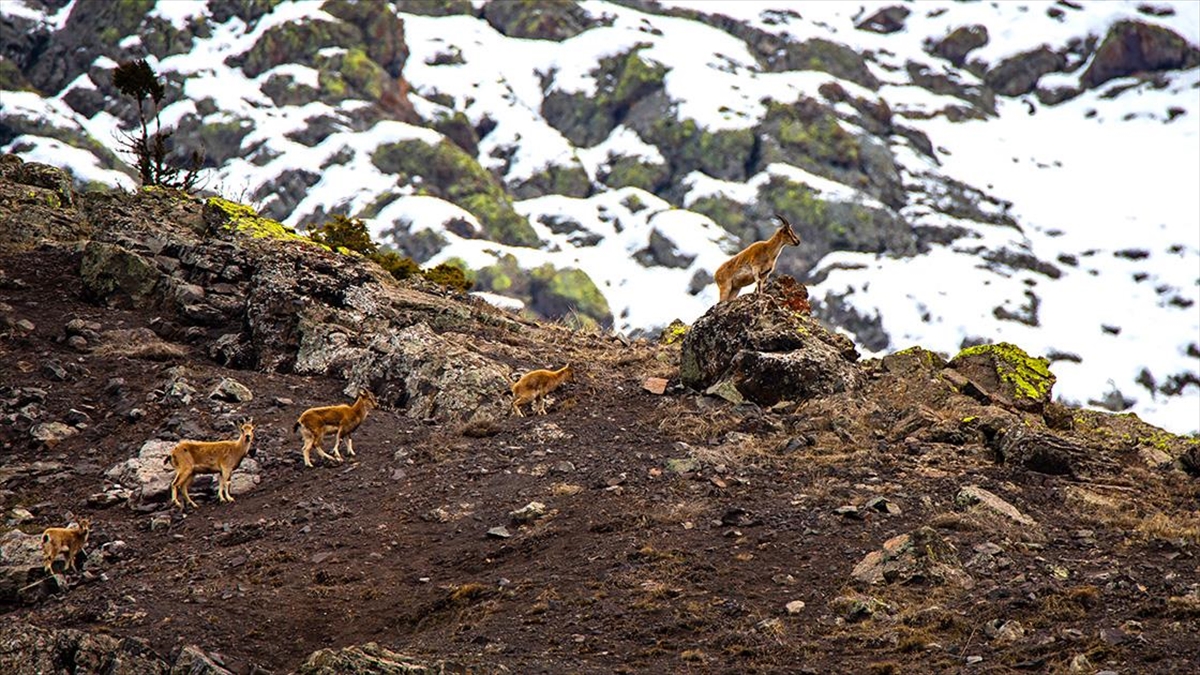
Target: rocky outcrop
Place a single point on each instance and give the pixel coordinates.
(1004, 373)
(765, 349)
(918, 557)
(43, 202)
(1135, 47)
(1018, 75)
(960, 42)
(555, 21)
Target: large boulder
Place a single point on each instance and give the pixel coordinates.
(1019, 74)
(767, 350)
(1134, 47)
(119, 277)
(432, 374)
(23, 581)
(147, 473)
(1004, 373)
(960, 42)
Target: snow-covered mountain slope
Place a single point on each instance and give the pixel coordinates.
(959, 171)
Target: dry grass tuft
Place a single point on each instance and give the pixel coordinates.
(145, 348)
(485, 428)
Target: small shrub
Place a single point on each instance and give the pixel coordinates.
(138, 80)
(399, 266)
(341, 232)
(449, 276)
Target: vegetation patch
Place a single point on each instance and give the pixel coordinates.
(1029, 377)
(444, 170)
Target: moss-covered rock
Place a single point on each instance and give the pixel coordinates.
(443, 170)
(688, 146)
(622, 80)
(436, 7)
(296, 42)
(556, 179)
(1005, 371)
(625, 171)
(11, 77)
(536, 19)
(221, 213)
(830, 57)
(561, 293)
(382, 31)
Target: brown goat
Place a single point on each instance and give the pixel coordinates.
(534, 385)
(189, 458)
(755, 263)
(71, 539)
(344, 419)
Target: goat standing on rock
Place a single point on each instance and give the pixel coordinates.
(534, 385)
(343, 419)
(754, 263)
(189, 458)
(71, 539)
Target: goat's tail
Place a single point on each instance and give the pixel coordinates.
(45, 538)
(296, 426)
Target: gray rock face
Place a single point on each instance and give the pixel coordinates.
(26, 649)
(432, 374)
(147, 474)
(20, 571)
(768, 350)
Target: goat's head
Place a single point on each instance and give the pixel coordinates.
(247, 428)
(368, 399)
(788, 233)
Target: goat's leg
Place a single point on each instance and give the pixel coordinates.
(542, 405)
(516, 406)
(336, 442)
(224, 485)
(320, 450)
(187, 483)
(48, 559)
(350, 446)
(308, 443)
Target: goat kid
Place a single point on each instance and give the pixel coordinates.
(755, 263)
(344, 419)
(534, 385)
(71, 539)
(190, 458)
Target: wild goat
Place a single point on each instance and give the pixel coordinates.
(754, 263)
(71, 539)
(534, 385)
(189, 458)
(344, 419)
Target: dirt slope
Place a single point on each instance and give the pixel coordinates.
(677, 527)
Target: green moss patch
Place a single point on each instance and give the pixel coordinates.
(443, 170)
(1026, 377)
(236, 217)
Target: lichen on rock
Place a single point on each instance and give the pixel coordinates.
(1006, 370)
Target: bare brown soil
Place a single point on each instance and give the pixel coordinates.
(637, 567)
